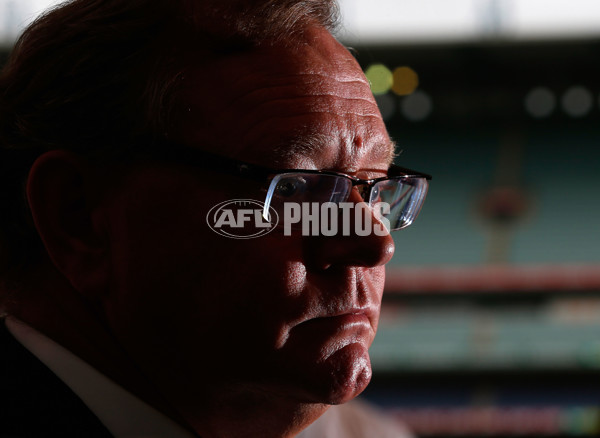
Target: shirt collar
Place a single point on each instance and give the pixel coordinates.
(121, 412)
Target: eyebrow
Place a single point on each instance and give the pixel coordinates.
(304, 145)
(187, 155)
(392, 154)
(308, 145)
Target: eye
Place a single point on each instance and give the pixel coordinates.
(289, 187)
(375, 193)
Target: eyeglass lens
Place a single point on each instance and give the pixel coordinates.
(405, 196)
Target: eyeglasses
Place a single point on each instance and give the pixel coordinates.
(404, 190)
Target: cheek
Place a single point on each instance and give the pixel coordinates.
(376, 278)
(168, 264)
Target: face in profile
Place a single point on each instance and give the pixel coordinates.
(284, 316)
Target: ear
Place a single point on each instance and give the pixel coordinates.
(66, 209)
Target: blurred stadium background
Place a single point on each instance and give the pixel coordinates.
(491, 319)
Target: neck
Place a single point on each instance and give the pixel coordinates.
(244, 411)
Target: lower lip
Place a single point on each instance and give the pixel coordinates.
(327, 337)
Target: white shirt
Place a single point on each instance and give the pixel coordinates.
(355, 419)
(122, 413)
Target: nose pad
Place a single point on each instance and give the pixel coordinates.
(356, 248)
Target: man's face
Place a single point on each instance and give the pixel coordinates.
(286, 316)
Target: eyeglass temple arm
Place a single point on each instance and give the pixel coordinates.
(218, 163)
(395, 170)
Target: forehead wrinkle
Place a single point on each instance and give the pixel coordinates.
(277, 88)
(265, 95)
(328, 103)
(325, 95)
(292, 68)
(310, 145)
(305, 141)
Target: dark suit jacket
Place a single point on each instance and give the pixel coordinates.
(34, 403)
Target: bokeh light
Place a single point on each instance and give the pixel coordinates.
(540, 102)
(380, 77)
(577, 101)
(406, 81)
(417, 106)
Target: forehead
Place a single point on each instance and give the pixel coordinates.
(304, 105)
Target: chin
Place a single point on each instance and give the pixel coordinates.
(338, 379)
(350, 373)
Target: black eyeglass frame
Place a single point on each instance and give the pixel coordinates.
(179, 154)
(257, 172)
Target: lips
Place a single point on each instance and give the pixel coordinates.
(329, 334)
(347, 321)
(346, 318)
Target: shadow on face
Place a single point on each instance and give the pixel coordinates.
(292, 316)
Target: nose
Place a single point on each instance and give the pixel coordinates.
(352, 249)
